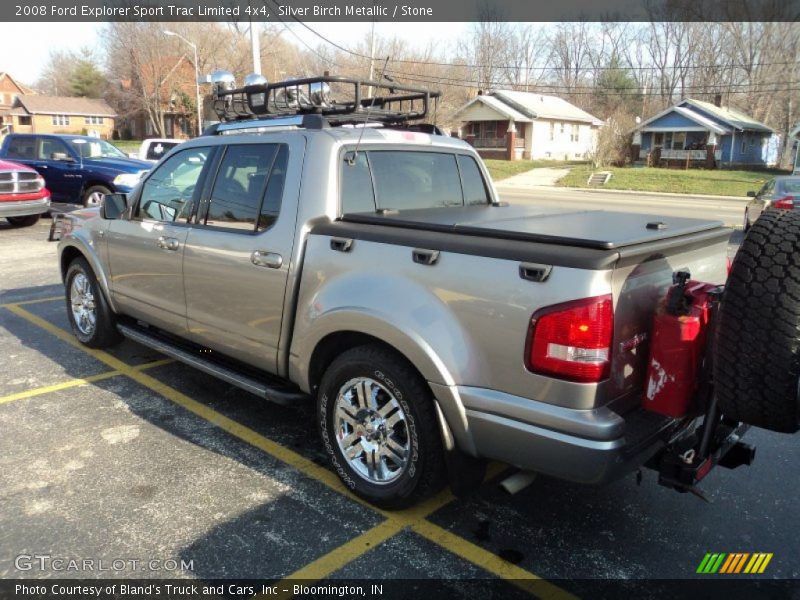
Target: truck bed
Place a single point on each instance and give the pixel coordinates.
(595, 229)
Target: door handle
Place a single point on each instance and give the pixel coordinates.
(168, 243)
(261, 258)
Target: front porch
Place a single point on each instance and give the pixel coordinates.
(690, 148)
(503, 140)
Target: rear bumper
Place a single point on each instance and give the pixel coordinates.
(586, 446)
(25, 207)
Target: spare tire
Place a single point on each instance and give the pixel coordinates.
(757, 356)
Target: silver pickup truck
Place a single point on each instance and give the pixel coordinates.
(375, 269)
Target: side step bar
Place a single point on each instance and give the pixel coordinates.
(273, 393)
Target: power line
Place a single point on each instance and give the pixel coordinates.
(529, 68)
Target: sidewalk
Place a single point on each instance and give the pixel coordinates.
(543, 176)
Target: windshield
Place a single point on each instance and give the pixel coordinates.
(95, 149)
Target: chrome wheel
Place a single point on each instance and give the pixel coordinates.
(372, 430)
(84, 311)
(94, 199)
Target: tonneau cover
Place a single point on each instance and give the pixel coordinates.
(596, 229)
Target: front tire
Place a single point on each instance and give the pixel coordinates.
(26, 221)
(93, 196)
(378, 426)
(89, 315)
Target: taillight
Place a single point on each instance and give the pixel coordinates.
(572, 340)
(787, 202)
(728, 265)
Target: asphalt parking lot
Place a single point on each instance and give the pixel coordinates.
(124, 455)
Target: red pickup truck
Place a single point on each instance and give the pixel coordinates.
(23, 196)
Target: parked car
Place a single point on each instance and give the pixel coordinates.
(76, 169)
(375, 269)
(155, 149)
(779, 192)
(23, 195)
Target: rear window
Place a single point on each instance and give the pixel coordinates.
(403, 180)
(157, 150)
(20, 147)
(790, 186)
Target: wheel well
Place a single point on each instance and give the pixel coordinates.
(69, 254)
(335, 344)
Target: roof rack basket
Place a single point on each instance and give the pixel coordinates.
(341, 100)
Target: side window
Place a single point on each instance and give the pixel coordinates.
(472, 181)
(170, 192)
(243, 182)
(22, 147)
(50, 146)
(271, 206)
(408, 180)
(357, 194)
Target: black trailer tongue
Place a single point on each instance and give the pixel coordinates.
(680, 385)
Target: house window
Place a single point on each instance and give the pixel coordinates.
(24, 120)
(678, 140)
(552, 130)
(489, 129)
(562, 128)
(658, 140)
(574, 131)
(744, 143)
(61, 120)
(93, 120)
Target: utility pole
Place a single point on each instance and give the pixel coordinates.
(371, 56)
(255, 42)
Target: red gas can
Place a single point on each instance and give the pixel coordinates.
(677, 347)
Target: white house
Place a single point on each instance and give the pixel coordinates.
(513, 125)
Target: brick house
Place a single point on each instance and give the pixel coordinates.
(60, 114)
(10, 90)
(172, 80)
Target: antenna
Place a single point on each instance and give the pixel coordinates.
(353, 159)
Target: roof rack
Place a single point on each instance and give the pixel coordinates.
(340, 100)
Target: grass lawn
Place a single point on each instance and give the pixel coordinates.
(127, 145)
(500, 169)
(717, 182)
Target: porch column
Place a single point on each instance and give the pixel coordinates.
(511, 138)
(711, 146)
(636, 146)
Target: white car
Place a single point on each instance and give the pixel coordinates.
(154, 149)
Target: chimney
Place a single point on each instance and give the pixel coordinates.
(718, 100)
(480, 92)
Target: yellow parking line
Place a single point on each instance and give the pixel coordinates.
(58, 386)
(36, 301)
(77, 382)
(490, 562)
(414, 517)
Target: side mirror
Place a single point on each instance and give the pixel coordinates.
(63, 156)
(751, 194)
(114, 206)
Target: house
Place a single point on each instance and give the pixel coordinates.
(60, 114)
(697, 133)
(171, 79)
(513, 125)
(10, 89)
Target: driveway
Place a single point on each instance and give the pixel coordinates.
(545, 176)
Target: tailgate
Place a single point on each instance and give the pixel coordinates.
(640, 280)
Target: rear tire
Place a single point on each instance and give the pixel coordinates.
(373, 405)
(25, 221)
(91, 318)
(93, 196)
(757, 362)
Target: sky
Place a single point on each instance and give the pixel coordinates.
(24, 47)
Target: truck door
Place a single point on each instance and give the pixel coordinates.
(145, 252)
(237, 257)
(61, 168)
